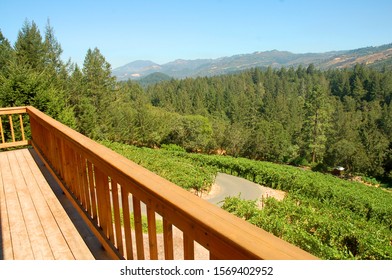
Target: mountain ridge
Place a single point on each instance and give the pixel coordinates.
(181, 68)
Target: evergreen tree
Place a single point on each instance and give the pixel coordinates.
(6, 53)
(317, 122)
(97, 90)
(29, 48)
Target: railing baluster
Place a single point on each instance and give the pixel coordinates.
(108, 209)
(83, 166)
(2, 131)
(168, 239)
(12, 128)
(104, 207)
(66, 161)
(137, 216)
(21, 127)
(76, 181)
(100, 185)
(82, 188)
(117, 217)
(58, 152)
(92, 188)
(189, 247)
(75, 176)
(152, 233)
(127, 223)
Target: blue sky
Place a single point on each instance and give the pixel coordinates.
(163, 31)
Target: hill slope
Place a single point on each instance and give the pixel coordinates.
(376, 56)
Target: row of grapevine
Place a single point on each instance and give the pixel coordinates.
(367, 202)
(323, 230)
(179, 170)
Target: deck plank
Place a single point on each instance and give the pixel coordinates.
(37, 238)
(53, 234)
(34, 225)
(5, 234)
(21, 248)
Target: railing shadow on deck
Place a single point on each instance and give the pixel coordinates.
(100, 184)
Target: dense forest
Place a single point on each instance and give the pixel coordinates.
(300, 116)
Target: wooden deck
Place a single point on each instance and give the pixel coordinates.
(35, 220)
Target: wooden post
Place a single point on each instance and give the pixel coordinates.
(2, 131)
(168, 239)
(21, 127)
(12, 128)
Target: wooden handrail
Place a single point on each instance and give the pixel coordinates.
(101, 182)
(12, 140)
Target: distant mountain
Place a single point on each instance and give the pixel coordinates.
(153, 78)
(180, 68)
(136, 69)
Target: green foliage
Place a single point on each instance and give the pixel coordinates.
(169, 164)
(317, 228)
(153, 78)
(31, 74)
(337, 117)
(158, 222)
(173, 148)
(270, 142)
(193, 132)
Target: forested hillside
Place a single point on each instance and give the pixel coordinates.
(292, 115)
(302, 115)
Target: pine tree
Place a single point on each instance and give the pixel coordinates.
(6, 53)
(29, 48)
(317, 121)
(97, 90)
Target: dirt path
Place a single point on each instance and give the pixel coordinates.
(228, 185)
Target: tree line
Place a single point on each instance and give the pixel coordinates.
(290, 115)
(296, 115)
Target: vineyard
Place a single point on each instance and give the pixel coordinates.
(171, 165)
(324, 215)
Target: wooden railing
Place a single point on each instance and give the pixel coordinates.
(108, 189)
(12, 129)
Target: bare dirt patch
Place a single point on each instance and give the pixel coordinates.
(200, 252)
(269, 192)
(213, 191)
